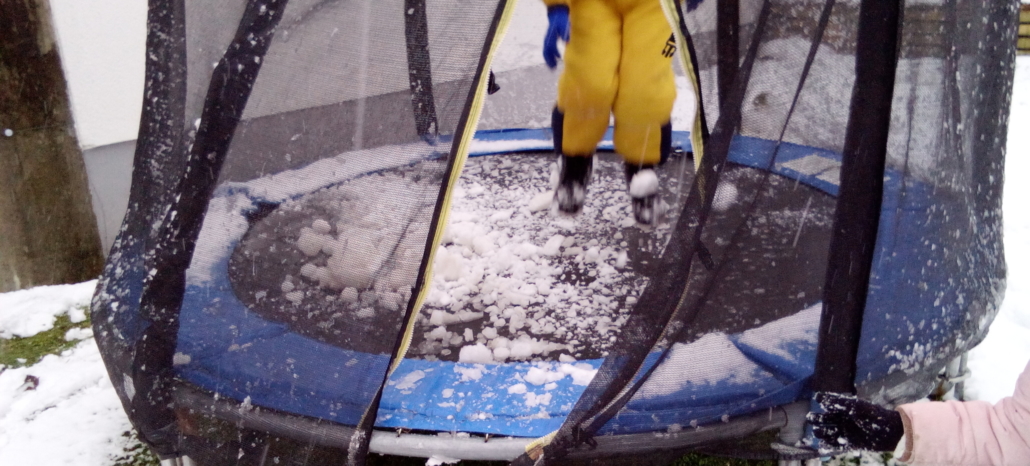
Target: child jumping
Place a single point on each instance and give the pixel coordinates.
(618, 59)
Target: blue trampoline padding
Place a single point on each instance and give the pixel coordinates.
(759, 373)
(225, 348)
(786, 348)
(636, 417)
(800, 366)
(504, 141)
(813, 166)
(234, 352)
(490, 398)
(923, 280)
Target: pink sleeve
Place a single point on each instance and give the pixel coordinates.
(970, 433)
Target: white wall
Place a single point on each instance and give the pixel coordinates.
(102, 45)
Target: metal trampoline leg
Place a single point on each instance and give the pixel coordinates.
(811, 462)
(794, 430)
(952, 377)
(180, 461)
(960, 375)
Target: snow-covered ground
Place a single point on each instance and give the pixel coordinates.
(1000, 358)
(73, 415)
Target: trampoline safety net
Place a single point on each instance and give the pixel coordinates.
(339, 237)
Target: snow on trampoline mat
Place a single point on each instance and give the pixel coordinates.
(512, 281)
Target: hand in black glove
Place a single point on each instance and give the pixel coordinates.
(849, 423)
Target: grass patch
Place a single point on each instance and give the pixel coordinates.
(135, 453)
(19, 352)
(691, 459)
(697, 459)
(865, 458)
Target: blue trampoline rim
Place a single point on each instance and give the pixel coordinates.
(507, 141)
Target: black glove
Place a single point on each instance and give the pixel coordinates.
(848, 423)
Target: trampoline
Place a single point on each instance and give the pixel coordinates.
(338, 242)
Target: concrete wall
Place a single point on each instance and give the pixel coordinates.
(109, 169)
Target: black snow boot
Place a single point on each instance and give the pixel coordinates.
(642, 184)
(573, 179)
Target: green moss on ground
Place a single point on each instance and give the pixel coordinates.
(862, 459)
(135, 453)
(18, 352)
(697, 459)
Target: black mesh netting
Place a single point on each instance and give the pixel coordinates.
(758, 272)
(259, 110)
(296, 159)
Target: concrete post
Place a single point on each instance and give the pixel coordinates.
(48, 233)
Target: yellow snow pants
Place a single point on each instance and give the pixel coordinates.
(618, 60)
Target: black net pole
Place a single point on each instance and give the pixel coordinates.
(861, 191)
(159, 142)
(727, 14)
(231, 83)
(420, 75)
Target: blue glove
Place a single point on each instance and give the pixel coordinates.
(557, 27)
(692, 4)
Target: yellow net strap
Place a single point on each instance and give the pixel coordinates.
(687, 63)
(464, 142)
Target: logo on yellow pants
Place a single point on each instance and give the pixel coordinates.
(670, 47)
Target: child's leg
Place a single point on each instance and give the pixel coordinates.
(647, 87)
(643, 105)
(587, 87)
(586, 91)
